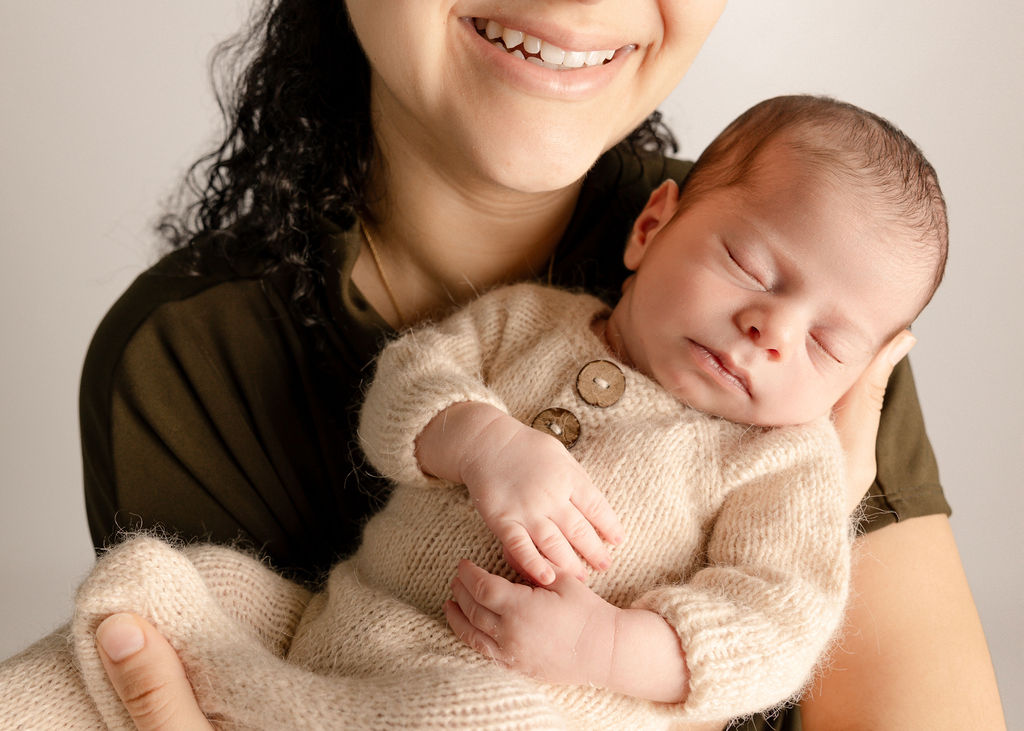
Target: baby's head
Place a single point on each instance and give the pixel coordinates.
(807, 235)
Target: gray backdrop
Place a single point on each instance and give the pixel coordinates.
(105, 103)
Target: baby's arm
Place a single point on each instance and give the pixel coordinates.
(565, 633)
(532, 494)
(740, 635)
(756, 618)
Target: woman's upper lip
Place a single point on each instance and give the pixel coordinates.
(564, 38)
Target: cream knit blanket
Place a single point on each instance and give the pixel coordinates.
(736, 535)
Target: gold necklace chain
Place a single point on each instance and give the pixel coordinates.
(387, 284)
(380, 272)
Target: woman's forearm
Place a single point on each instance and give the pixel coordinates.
(913, 653)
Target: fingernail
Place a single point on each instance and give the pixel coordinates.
(900, 348)
(120, 637)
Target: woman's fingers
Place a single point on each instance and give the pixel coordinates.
(147, 675)
(856, 416)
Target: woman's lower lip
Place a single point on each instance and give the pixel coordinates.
(712, 365)
(574, 84)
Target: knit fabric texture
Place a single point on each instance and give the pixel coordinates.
(736, 535)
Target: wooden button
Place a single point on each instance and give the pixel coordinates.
(600, 383)
(562, 424)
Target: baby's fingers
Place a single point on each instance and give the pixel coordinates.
(525, 554)
(582, 536)
(474, 586)
(555, 539)
(471, 616)
(595, 509)
(469, 633)
(475, 613)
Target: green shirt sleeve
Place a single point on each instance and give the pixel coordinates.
(208, 413)
(907, 482)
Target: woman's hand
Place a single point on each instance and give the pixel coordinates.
(857, 413)
(147, 675)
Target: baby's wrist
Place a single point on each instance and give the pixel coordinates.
(647, 660)
(486, 431)
(451, 439)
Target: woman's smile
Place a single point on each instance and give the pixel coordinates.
(489, 88)
(532, 61)
(542, 52)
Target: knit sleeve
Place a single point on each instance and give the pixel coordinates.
(433, 367)
(755, 620)
(40, 687)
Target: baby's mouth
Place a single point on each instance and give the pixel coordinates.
(722, 365)
(541, 52)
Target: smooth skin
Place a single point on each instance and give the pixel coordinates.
(763, 303)
(441, 197)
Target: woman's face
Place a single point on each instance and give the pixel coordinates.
(485, 110)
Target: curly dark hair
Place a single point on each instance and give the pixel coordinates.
(294, 90)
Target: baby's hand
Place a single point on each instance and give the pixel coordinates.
(538, 501)
(564, 633)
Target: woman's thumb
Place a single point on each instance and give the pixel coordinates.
(857, 413)
(147, 675)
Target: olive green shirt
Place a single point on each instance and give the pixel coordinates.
(209, 409)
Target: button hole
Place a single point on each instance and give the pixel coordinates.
(601, 383)
(555, 429)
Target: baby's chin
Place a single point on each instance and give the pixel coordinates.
(789, 419)
(770, 419)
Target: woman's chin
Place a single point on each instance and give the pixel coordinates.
(541, 168)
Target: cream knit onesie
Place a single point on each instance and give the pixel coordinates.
(736, 535)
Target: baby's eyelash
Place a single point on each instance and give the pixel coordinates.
(821, 346)
(743, 269)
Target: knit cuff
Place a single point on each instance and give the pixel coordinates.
(739, 661)
(388, 433)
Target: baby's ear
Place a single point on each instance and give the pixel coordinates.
(658, 211)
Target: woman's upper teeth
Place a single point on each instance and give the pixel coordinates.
(539, 51)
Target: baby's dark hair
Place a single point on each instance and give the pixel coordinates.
(841, 140)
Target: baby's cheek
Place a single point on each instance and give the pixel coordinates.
(843, 384)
